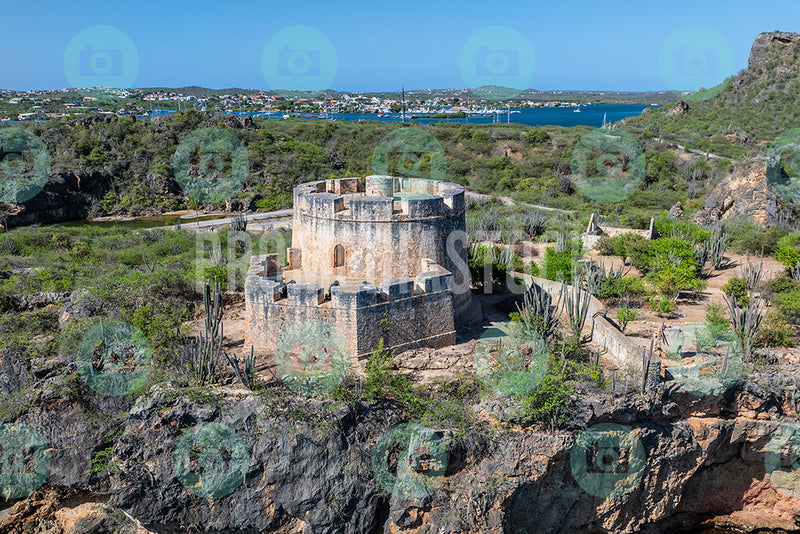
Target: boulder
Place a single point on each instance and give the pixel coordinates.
(745, 192)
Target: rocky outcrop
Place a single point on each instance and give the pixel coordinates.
(309, 463)
(679, 109)
(66, 196)
(774, 46)
(745, 191)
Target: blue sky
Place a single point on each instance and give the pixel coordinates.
(610, 45)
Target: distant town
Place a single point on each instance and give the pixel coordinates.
(60, 103)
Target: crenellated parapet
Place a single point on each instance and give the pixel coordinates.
(420, 308)
(387, 198)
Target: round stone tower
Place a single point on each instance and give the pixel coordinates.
(397, 227)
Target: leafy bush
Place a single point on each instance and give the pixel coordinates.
(788, 303)
(776, 332)
(788, 252)
(662, 306)
(752, 239)
(549, 402)
(605, 246)
(688, 231)
(717, 314)
(626, 245)
(737, 288)
(658, 253)
(625, 316)
(626, 286)
(536, 137)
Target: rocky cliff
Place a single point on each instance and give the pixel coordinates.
(307, 465)
(781, 47)
(744, 192)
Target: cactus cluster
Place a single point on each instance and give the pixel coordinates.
(538, 312)
(746, 321)
(208, 344)
(576, 305)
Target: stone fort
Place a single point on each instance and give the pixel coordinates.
(387, 260)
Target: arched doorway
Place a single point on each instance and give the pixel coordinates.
(338, 256)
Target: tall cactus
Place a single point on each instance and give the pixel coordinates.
(247, 375)
(753, 272)
(204, 352)
(746, 322)
(717, 245)
(538, 312)
(794, 272)
(576, 304)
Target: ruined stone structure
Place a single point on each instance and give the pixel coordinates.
(388, 262)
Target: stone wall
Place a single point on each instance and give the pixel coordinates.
(406, 312)
(622, 350)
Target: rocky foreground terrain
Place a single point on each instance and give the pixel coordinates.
(305, 465)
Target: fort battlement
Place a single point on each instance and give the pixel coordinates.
(387, 260)
(406, 312)
(387, 198)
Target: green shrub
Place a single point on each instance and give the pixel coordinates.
(625, 245)
(625, 316)
(688, 231)
(627, 286)
(776, 332)
(788, 252)
(558, 265)
(751, 239)
(536, 137)
(662, 306)
(789, 304)
(549, 402)
(605, 246)
(717, 314)
(737, 288)
(658, 253)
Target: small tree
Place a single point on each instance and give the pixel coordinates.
(625, 316)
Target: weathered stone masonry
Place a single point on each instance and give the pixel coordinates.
(389, 262)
